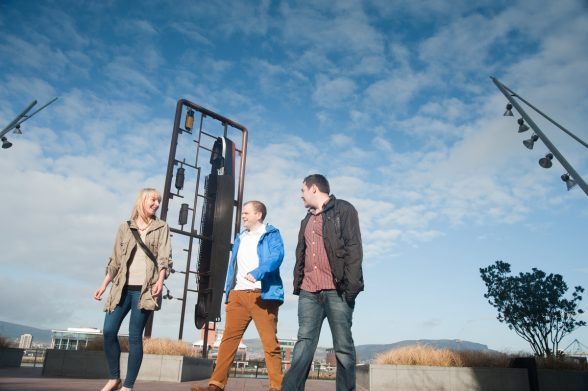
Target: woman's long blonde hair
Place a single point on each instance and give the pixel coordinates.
(138, 210)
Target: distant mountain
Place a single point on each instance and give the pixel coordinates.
(368, 352)
(13, 331)
(254, 348)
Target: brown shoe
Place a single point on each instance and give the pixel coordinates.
(210, 387)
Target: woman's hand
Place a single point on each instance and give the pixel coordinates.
(99, 292)
(157, 288)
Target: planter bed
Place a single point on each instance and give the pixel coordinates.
(92, 365)
(376, 377)
(10, 357)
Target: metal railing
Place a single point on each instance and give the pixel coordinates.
(33, 357)
(260, 372)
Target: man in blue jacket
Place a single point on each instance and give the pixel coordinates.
(254, 291)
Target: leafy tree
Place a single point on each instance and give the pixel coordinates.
(532, 304)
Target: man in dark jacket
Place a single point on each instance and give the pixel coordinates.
(327, 278)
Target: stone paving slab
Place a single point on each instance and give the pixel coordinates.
(30, 379)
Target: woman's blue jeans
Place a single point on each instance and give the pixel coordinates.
(313, 308)
(128, 302)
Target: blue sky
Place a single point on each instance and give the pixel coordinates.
(391, 100)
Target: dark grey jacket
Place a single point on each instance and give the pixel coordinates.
(342, 240)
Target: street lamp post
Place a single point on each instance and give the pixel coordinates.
(571, 172)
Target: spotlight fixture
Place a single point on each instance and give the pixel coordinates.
(180, 178)
(530, 142)
(5, 143)
(526, 121)
(545, 162)
(183, 219)
(167, 295)
(17, 130)
(522, 126)
(189, 120)
(569, 181)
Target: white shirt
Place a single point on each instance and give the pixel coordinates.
(247, 258)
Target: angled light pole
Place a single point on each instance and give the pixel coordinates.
(18, 120)
(572, 177)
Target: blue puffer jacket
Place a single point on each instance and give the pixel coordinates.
(270, 250)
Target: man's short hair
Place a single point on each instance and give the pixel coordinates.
(320, 181)
(258, 206)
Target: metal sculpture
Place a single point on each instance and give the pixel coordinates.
(221, 194)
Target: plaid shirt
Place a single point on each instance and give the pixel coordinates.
(317, 270)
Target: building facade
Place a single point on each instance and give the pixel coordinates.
(77, 338)
(214, 339)
(25, 341)
(286, 348)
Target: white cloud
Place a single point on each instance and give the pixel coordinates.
(341, 27)
(394, 92)
(463, 44)
(136, 27)
(123, 71)
(341, 140)
(333, 92)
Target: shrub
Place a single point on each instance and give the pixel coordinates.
(168, 347)
(5, 342)
(420, 355)
(562, 363)
(98, 344)
(428, 355)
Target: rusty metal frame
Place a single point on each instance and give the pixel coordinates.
(182, 106)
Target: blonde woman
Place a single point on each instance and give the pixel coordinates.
(137, 279)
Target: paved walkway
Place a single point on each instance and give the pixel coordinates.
(30, 379)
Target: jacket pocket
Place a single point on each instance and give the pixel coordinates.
(124, 246)
(148, 302)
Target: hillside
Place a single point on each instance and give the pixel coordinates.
(13, 331)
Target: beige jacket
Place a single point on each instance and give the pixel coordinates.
(158, 241)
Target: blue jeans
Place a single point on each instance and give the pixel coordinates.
(313, 308)
(128, 302)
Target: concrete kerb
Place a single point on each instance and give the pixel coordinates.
(377, 377)
(92, 365)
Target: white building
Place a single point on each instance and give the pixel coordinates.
(217, 335)
(76, 338)
(25, 341)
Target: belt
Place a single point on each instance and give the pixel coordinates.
(250, 290)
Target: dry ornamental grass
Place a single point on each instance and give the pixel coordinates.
(420, 355)
(430, 356)
(166, 347)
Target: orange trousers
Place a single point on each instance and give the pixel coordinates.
(243, 306)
